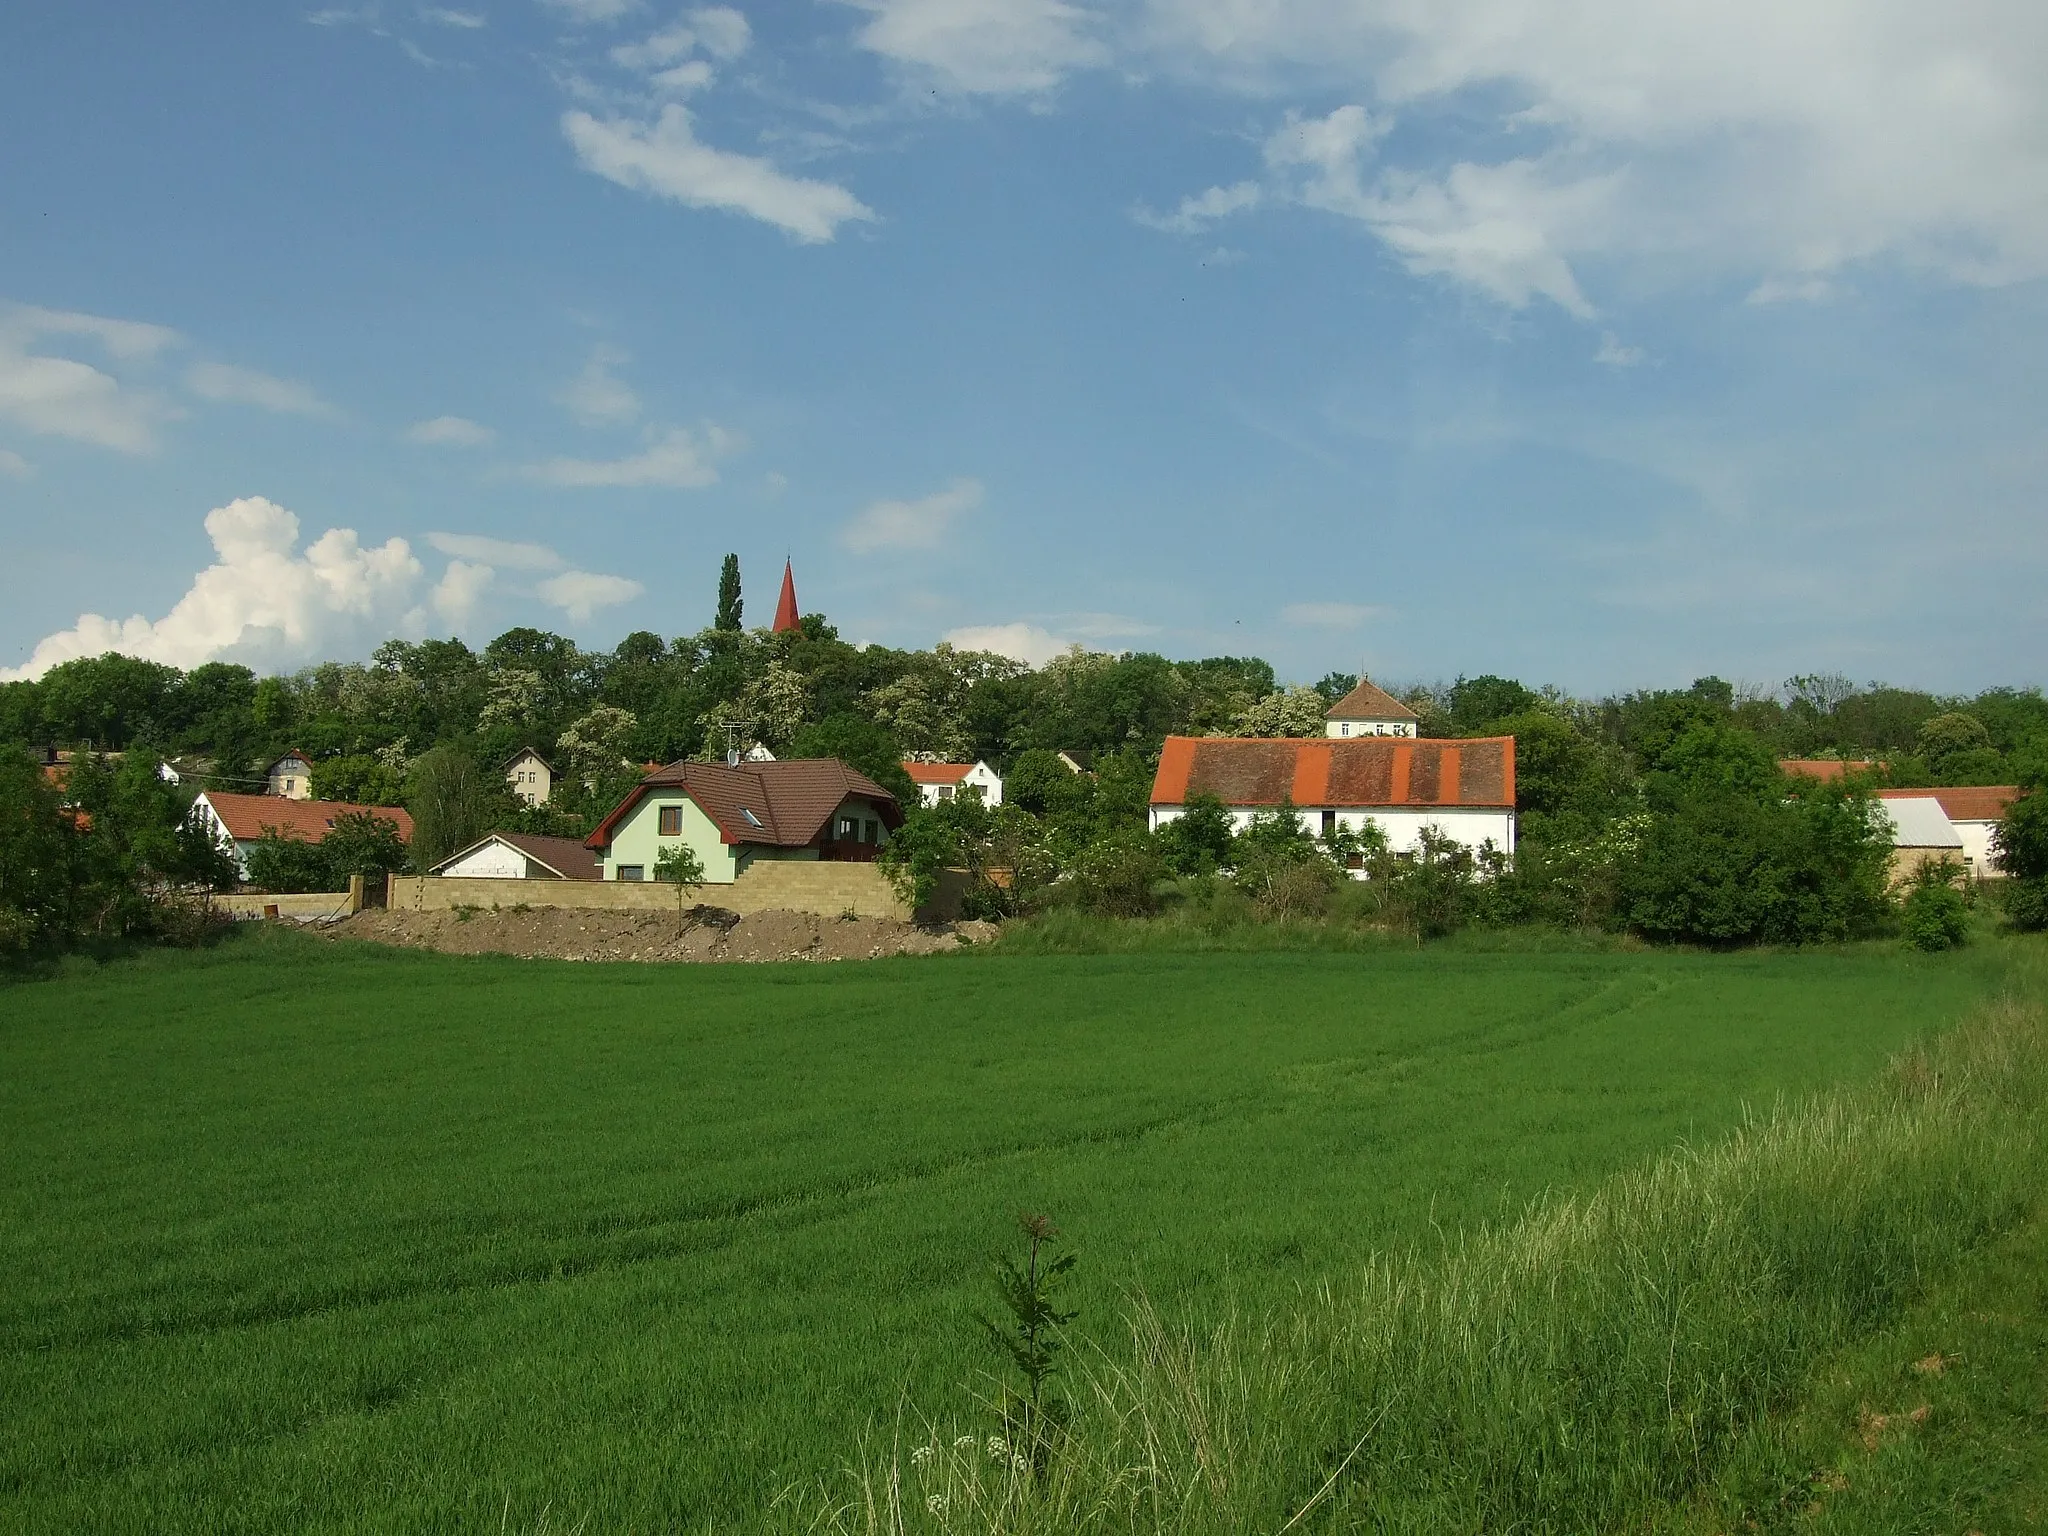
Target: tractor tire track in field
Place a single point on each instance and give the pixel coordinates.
(708, 1224)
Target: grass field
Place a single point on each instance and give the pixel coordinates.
(318, 1237)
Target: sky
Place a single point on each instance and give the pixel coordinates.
(1589, 342)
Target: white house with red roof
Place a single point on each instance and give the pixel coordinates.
(1972, 812)
(944, 781)
(238, 822)
(1464, 788)
(1368, 710)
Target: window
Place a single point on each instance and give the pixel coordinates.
(1329, 822)
(847, 827)
(288, 786)
(634, 872)
(671, 822)
(945, 791)
(874, 832)
(1344, 729)
(752, 819)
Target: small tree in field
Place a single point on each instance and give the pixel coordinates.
(679, 866)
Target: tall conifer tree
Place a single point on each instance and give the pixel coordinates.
(729, 595)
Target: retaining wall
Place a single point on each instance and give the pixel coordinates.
(304, 908)
(828, 889)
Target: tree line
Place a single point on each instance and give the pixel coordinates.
(1608, 789)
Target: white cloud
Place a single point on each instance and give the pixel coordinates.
(677, 458)
(225, 384)
(62, 397)
(1792, 290)
(14, 465)
(598, 397)
(919, 524)
(459, 589)
(994, 47)
(592, 12)
(262, 600)
(1328, 615)
(722, 30)
(684, 78)
(1197, 213)
(665, 158)
(1769, 141)
(581, 593)
(504, 552)
(126, 339)
(1027, 643)
(467, 21)
(449, 432)
(1614, 354)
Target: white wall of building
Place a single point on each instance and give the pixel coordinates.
(292, 777)
(493, 861)
(1977, 854)
(530, 779)
(1353, 729)
(980, 776)
(1473, 826)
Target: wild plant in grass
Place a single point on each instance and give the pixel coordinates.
(1031, 1339)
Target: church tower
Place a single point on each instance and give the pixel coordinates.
(785, 606)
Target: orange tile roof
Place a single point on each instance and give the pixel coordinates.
(1369, 702)
(1975, 802)
(247, 816)
(1826, 769)
(937, 773)
(1325, 771)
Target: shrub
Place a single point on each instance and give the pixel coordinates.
(1118, 879)
(1936, 913)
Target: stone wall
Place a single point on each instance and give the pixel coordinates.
(299, 909)
(828, 889)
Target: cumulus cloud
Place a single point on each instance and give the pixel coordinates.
(225, 384)
(1027, 643)
(449, 432)
(262, 600)
(597, 396)
(57, 396)
(1328, 615)
(581, 593)
(461, 586)
(678, 458)
(1197, 213)
(719, 31)
(665, 158)
(992, 47)
(1748, 138)
(919, 524)
(500, 552)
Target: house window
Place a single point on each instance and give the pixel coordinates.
(671, 822)
(633, 872)
(1329, 822)
(288, 786)
(874, 831)
(945, 791)
(1344, 729)
(848, 829)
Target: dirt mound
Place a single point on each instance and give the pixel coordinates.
(706, 934)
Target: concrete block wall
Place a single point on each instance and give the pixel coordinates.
(828, 889)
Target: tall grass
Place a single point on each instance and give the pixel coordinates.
(1563, 1373)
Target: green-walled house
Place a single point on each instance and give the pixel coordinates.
(733, 814)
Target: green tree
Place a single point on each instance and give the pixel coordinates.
(2021, 845)
(1197, 842)
(363, 843)
(729, 602)
(289, 865)
(1293, 712)
(141, 845)
(1936, 914)
(361, 779)
(38, 856)
(1477, 702)
(453, 803)
(678, 865)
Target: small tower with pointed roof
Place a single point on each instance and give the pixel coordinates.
(785, 605)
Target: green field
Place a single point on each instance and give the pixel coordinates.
(321, 1237)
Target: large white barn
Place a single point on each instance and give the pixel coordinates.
(1464, 788)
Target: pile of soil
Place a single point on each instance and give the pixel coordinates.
(705, 934)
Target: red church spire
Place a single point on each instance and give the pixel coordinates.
(785, 606)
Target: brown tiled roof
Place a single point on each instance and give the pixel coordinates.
(564, 855)
(246, 816)
(1826, 769)
(937, 773)
(1976, 802)
(790, 801)
(1322, 771)
(1368, 702)
(529, 752)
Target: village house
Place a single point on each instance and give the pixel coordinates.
(1369, 711)
(1465, 789)
(1972, 813)
(291, 776)
(943, 781)
(238, 822)
(529, 776)
(1921, 834)
(521, 856)
(733, 815)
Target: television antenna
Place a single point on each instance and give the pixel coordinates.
(735, 733)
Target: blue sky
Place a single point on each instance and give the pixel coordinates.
(1589, 343)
